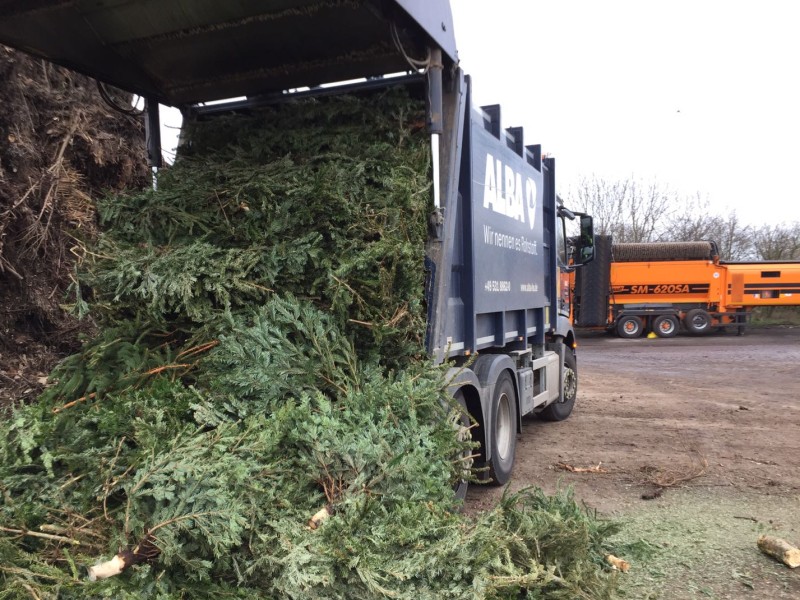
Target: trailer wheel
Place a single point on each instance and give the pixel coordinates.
(629, 327)
(666, 326)
(460, 420)
(697, 321)
(504, 435)
(562, 408)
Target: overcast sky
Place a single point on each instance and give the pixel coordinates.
(701, 96)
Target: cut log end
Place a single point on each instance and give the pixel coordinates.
(107, 569)
(618, 563)
(125, 558)
(780, 550)
(318, 518)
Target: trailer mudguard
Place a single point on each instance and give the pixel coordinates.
(563, 328)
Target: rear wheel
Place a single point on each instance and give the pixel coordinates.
(666, 326)
(629, 327)
(459, 419)
(504, 430)
(562, 408)
(697, 321)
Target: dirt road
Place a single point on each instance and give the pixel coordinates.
(709, 426)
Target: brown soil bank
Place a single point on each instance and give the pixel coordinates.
(61, 145)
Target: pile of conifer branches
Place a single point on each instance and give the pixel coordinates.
(256, 418)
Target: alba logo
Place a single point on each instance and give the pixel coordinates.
(510, 199)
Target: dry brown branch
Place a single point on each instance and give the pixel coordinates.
(400, 314)
(27, 573)
(58, 409)
(162, 368)
(356, 295)
(595, 469)
(198, 349)
(31, 591)
(44, 536)
(666, 478)
(259, 287)
(357, 322)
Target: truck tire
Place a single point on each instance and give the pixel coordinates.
(629, 327)
(666, 326)
(504, 434)
(562, 408)
(460, 421)
(697, 321)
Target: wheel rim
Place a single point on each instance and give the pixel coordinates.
(666, 326)
(631, 327)
(503, 428)
(699, 322)
(570, 385)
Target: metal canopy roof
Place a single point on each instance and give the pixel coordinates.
(188, 51)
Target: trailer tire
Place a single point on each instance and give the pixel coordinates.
(504, 433)
(460, 421)
(666, 326)
(629, 327)
(697, 321)
(562, 408)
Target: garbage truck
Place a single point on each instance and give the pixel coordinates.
(497, 236)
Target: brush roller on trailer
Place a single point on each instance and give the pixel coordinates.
(632, 289)
(497, 237)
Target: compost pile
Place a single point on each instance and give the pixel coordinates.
(256, 418)
(60, 145)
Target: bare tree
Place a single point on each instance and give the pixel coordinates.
(735, 240)
(693, 221)
(632, 211)
(626, 209)
(777, 242)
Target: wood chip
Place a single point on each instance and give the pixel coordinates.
(618, 563)
(781, 550)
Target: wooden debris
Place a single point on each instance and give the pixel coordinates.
(667, 478)
(322, 514)
(125, 558)
(781, 550)
(595, 469)
(618, 563)
(107, 569)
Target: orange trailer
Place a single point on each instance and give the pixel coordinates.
(663, 287)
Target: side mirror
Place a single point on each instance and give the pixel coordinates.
(586, 241)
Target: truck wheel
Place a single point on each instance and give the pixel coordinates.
(666, 326)
(460, 420)
(504, 435)
(697, 321)
(629, 327)
(562, 408)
